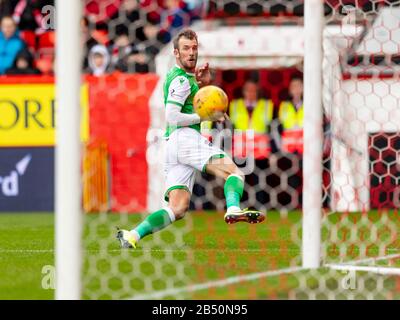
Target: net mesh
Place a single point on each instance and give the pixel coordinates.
(201, 257)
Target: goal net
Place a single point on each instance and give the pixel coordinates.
(323, 163)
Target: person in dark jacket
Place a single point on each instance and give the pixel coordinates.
(23, 64)
(10, 43)
(87, 40)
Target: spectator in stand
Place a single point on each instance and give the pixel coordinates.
(121, 21)
(121, 49)
(291, 118)
(23, 64)
(291, 132)
(135, 62)
(195, 7)
(140, 56)
(151, 43)
(153, 9)
(10, 43)
(88, 42)
(148, 48)
(99, 61)
(254, 112)
(175, 17)
(46, 66)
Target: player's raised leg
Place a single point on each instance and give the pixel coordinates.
(176, 209)
(233, 190)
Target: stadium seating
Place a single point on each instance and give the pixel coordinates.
(30, 39)
(46, 40)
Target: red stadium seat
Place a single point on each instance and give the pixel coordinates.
(47, 40)
(45, 65)
(45, 53)
(101, 36)
(29, 38)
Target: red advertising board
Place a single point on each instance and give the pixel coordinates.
(119, 116)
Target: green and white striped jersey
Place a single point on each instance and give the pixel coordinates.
(179, 89)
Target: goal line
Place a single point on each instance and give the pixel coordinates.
(352, 266)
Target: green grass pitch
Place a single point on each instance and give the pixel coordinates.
(26, 246)
(200, 249)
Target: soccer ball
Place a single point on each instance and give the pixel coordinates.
(210, 103)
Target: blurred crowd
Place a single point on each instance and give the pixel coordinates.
(117, 35)
(125, 35)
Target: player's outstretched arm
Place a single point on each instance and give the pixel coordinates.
(176, 117)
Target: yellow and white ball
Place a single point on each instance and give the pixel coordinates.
(210, 103)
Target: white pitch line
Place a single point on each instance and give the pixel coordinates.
(378, 270)
(368, 260)
(26, 251)
(217, 283)
(149, 250)
(351, 265)
(392, 256)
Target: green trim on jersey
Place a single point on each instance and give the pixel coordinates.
(187, 107)
(176, 103)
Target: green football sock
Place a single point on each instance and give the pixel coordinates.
(154, 222)
(233, 190)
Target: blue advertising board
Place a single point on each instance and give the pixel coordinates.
(26, 179)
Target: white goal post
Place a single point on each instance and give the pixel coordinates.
(68, 218)
(312, 133)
